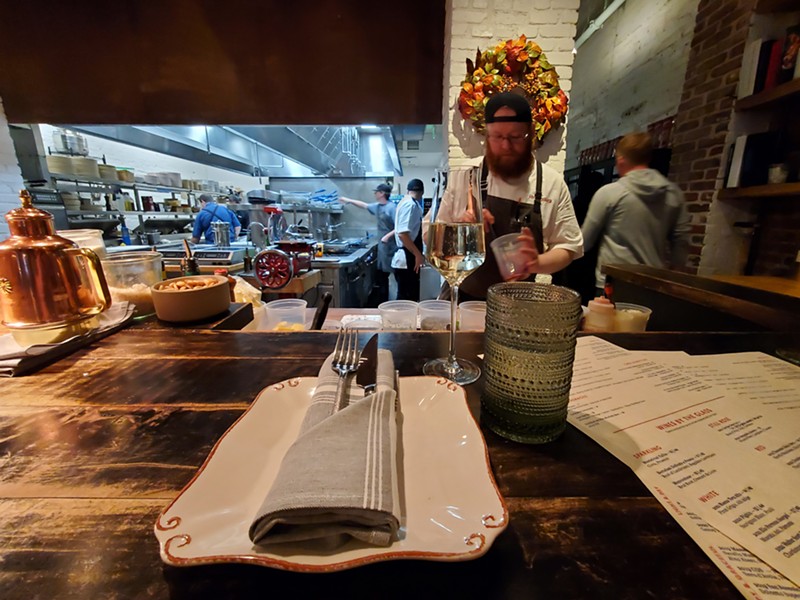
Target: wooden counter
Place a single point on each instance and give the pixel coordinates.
(97, 444)
(683, 302)
(775, 285)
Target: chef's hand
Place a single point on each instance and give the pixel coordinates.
(488, 220)
(530, 254)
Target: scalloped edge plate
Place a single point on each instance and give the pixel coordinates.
(453, 509)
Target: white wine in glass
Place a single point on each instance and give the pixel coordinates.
(455, 249)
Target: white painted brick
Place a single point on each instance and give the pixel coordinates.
(556, 31)
(567, 17)
(458, 29)
(460, 4)
(509, 18)
(482, 32)
(560, 58)
(573, 4)
(487, 22)
(562, 44)
(470, 16)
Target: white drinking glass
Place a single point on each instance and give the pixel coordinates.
(456, 248)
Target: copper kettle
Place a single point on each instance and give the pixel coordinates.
(45, 279)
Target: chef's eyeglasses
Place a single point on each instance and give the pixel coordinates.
(511, 139)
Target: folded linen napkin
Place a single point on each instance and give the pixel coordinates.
(339, 478)
(17, 360)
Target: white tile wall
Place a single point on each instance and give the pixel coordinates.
(473, 24)
(631, 72)
(10, 175)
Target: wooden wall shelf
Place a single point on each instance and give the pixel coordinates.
(773, 190)
(771, 96)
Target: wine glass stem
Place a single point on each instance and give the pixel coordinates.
(452, 364)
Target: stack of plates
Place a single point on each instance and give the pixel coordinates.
(125, 175)
(170, 179)
(108, 172)
(59, 164)
(85, 167)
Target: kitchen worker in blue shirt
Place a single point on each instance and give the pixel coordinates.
(408, 234)
(210, 211)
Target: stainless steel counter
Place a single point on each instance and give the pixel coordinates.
(348, 277)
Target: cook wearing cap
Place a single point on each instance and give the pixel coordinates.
(408, 236)
(522, 196)
(210, 212)
(383, 210)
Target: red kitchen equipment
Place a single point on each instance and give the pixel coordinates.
(273, 268)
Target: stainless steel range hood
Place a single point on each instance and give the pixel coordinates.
(275, 151)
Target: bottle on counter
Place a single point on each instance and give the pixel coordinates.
(231, 281)
(601, 315)
(192, 268)
(126, 235)
(248, 261)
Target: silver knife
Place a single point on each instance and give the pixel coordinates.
(367, 374)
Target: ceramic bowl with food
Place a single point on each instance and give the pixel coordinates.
(191, 298)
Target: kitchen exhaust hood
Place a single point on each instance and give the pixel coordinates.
(269, 150)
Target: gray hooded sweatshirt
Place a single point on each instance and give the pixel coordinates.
(635, 219)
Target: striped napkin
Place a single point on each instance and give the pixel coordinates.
(339, 478)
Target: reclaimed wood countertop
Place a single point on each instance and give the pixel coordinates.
(94, 446)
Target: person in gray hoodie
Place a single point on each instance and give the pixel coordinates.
(639, 217)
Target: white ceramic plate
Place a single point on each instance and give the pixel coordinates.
(453, 510)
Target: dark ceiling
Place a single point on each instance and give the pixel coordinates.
(231, 62)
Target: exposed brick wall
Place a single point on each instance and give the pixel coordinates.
(10, 175)
(473, 24)
(703, 120)
(704, 127)
(780, 238)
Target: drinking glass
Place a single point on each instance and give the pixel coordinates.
(456, 248)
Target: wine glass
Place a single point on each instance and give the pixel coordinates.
(456, 247)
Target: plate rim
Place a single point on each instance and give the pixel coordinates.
(478, 540)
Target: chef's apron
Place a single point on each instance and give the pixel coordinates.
(385, 250)
(407, 279)
(510, 216)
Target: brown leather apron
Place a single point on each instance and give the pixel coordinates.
(510, 216)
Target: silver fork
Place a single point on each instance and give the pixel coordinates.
(345, 362)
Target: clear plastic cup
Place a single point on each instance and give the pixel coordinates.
(398, 314)
(434, 315)
(506, 250)
(286, 315)
(130, 276)
(472, 315)
(631, 317)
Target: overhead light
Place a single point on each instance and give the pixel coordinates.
(370, 127)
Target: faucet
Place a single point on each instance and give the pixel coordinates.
(330, 230)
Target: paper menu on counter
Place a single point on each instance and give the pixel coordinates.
(754, 578)
(727, 456)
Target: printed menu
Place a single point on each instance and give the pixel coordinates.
(717, 440)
